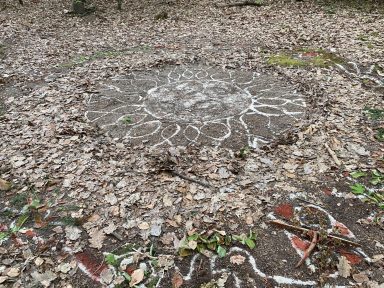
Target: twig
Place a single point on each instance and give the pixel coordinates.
(309, 202)
(310, 248)
(185, 177)
(117, 236)
(306, 231)
(333, 155)
(242, 3)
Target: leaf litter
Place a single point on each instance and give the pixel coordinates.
(105, 187)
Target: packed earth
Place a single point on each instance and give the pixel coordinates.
(192, 144)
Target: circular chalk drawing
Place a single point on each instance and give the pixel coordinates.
(195, 105)
(202, 100)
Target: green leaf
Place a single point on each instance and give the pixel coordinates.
(3, 235)
(212, 246)
(357, 189)
(358, 174)
(380, 134)
(111, 259)
(194, 237)
(201, 247)
(126, 276)
(221, 251)
(185, 252)
(250, 243)
(20, 222)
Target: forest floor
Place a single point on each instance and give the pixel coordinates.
(80, 208)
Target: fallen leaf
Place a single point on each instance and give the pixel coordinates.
(39, 261)
(4, 185)
(110, 228)
(344, 267)
(360, 277)
(107, 276)
(192, 244)
(143, 226)
(64, 268)
(72, 233)
(44, 279)
(13, 272)
(237, 259)
(177, 280)
(136, 277)
(3, 279)
(97, 237)
(167, 200)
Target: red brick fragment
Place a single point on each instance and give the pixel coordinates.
(285, 210)
(299, 243)
(352, 257)
(342, 229)
(91, 264)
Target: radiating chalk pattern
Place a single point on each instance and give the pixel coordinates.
(195, 105)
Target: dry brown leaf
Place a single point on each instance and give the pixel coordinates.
(177, 280)
(4, 185)
(360, 277)
(143, 226)
(97, 238)
(344, 267)
(136, 277)
(237, 259)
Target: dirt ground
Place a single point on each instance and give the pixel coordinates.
(83, 208)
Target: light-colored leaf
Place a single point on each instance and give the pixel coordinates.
(177, 280)
(344, 267)
(97, 238)
(4, 185)
(136, 277)
(237, 259)
(192, 244)
(143, 226)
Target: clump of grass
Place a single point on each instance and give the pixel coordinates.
(286, 61)
(306, 57)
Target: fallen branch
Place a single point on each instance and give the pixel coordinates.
(185, 177)
(242, 3)
(312, 246)
(333, 155)
(308, 232)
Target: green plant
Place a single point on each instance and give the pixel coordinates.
(373, 113)
(214, 241)
(244, 151)
(370, 194)
(380, 134)
(286, 60)
(126, 120)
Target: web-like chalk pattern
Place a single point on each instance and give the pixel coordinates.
(195, 105)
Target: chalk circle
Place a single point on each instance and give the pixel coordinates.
(197, 99)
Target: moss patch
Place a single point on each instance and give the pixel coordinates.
(305, 57)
